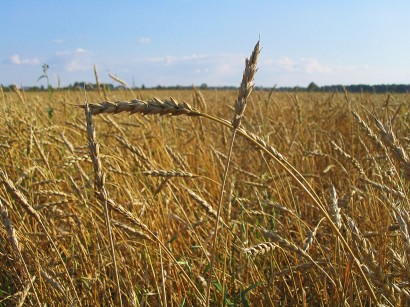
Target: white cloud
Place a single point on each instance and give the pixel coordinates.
(169, 59)
(307, 66)
(58, 41)
(77, 65)
(78, 51)
(287, 70)
(286, 63)
(81, 51)
(15, 59)
(79, 59)
(203, 60)
(183, 69)
(144, 40)
(312, 66)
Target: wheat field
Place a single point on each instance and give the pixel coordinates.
(116, 209)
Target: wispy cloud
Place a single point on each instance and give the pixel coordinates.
(79, 59)
(75, 52)
(144, 40)
(79, 51)
(58, 41)
(308, 66)
(291, 70)
(312, 66)
(77, 65)
(213, 69)
(285, 63)
(17, 60)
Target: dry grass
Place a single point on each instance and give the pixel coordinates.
(316, 213)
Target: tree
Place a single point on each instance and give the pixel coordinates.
(312, 87)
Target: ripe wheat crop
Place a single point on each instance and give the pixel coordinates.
(119, 201)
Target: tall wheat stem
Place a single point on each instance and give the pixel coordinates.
(100, 190)
(218, 215)
(240, 105)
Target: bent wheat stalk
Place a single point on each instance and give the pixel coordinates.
(101, 192)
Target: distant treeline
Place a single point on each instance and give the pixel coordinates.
(355, 88)
(312, 87)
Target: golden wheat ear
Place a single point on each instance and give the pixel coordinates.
(246, 85)
(154, 106)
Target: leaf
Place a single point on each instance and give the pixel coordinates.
(243, 293)
(172, 239)
(183, 302)
(217, 286)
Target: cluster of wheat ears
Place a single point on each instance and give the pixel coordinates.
(301, 200)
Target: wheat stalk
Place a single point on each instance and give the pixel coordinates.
(8, 224)
(312, 235)
(369, 132)
(349, 158)
(135, 150)
(399, 214)
(384, 188)
(286, 244)
(130, 230)
(102, 194)
(372, 266)
(21, 199)
(24, 293)
(97, 81)
(177, 158)
(297, 268)
(52, 282)
(240, 104)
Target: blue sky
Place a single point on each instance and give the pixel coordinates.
(189, 42)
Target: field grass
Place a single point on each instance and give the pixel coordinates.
(315, 209)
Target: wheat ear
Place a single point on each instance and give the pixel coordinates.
(260, 249)
(154, 106)
(397, 150)
(334, 208)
